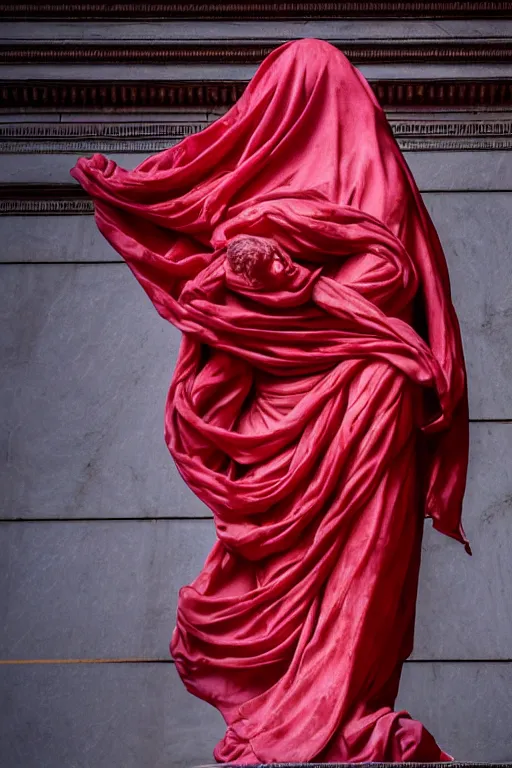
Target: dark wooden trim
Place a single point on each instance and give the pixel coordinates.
(119, 96)
(255, 10)
(140, 96)
(375, 52)
(24, 191)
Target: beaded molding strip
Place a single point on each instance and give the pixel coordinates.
(259, 10)
(82, 138)
(375, 52)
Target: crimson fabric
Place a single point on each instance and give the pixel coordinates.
(318, 405)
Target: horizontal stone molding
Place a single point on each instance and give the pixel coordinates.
(57, 199)
(151, 96)
(258, 10)
(374, 52)
(93, 137)
(46, 207)
(411, 134)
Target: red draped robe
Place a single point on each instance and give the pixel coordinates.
(320, 415)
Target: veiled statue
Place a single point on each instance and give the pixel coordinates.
(318, 406)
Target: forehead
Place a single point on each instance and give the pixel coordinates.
(250, 243)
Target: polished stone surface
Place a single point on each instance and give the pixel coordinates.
(96, 589)
(109, 588)
(87, 363)
(433, 171)
(475, 233)
(140, 716)
(63, 239)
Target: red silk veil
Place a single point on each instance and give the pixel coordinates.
(318, 405)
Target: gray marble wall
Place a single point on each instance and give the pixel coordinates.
(98, 531)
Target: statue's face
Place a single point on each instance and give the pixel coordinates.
(258, 259)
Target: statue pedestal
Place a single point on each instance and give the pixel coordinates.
(455, 764)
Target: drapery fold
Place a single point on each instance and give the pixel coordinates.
(318, 405)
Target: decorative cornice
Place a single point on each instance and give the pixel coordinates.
(71, 199)
(140, 96)
(375, 52)
(137, 95)
(251, 10)
(411, 134)
(46, 207)
(53, 138)
(44, 199)
(429, 135)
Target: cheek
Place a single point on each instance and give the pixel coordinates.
(276, 266)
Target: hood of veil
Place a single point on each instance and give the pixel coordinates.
(308, 126)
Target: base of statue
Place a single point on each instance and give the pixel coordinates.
(455, 764)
